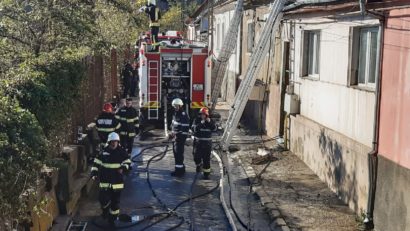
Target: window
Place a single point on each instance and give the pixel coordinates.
(218, 35)
(222, 35)
(251, 35)
(311, 53)
(364, 56)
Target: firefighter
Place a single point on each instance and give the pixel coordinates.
(180, 127)
(120, 105)
(154, 15)
(134, 79)
(106, 123)
(126, 74)
(128, 116)
(202, 129)
(110, 166)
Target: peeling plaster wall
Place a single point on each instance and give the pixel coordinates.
(262, 111)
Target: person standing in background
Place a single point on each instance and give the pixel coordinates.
(126, 74)
(134, 80)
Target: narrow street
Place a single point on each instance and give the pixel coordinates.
(202, 213)
(297, 111)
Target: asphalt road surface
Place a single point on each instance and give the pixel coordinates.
(150, 212)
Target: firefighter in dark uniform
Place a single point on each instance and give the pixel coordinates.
(109, 167)
(128, 116)
(126, 74)
(134, 80)
(154, 15)
(106, 123)
(180, 128)
(202, 129)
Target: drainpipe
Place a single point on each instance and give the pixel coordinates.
(373, 155)
(299, 4)
(362, 5)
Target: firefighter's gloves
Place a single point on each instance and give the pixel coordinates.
(206, 120)
(94, 178)
(189, 141)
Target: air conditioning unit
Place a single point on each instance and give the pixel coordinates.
(292, 104)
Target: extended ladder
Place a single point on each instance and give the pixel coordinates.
(153, 90)
(242, 95)
(228, 46)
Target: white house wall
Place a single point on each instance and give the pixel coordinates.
(225, 18)
(329, 100)
(333, 132)
(233, 68)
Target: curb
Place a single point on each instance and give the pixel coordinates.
(266, 201)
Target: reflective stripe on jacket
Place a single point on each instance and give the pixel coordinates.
(107, 165)
(203, 129)
(129, 118)
(180, 123)
(105, 124)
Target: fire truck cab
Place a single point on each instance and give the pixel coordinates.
(178, 69)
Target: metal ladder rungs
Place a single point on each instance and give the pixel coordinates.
(246, 86)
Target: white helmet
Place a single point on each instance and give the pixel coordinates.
(113, 137)
(178, 102)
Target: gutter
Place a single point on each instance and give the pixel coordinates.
(372, 156)
(300, 4)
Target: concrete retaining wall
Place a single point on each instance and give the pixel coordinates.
(392, 206)
(338, 160)
(63, 187)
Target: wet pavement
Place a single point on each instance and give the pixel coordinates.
(206, 212)
(245, 203)
(304, 201)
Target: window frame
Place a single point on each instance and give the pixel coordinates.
(305, 57)
(222, 34)
(218, 37)
(249, 49)
(355, 49)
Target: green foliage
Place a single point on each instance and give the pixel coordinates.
(42, 49)
(51, 100)
(174, 18)
(22, 150)
(119, 23)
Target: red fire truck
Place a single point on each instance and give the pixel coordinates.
(178, 69)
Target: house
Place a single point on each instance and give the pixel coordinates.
(347, 102)
(223, 12)
(210, 23)
(263, 110)
(333, 54)
(392, 197)
(319, 87)
(198, 24)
